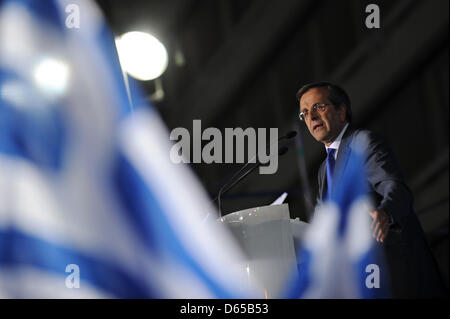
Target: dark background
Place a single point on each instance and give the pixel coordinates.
(239, 63)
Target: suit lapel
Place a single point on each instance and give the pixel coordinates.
(323, 179)
(341, 160)
(343, 153)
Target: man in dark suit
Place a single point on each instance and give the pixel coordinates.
(326, 110)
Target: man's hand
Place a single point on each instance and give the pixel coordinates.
(380, 224)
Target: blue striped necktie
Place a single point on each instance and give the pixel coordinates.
(330, 169)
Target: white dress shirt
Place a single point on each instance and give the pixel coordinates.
(337, 142)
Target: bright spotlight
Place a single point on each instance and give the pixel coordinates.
(51, 76)
(142, 55)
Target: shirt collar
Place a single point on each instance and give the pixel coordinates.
(337, 141)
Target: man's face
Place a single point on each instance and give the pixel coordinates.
(324, 126)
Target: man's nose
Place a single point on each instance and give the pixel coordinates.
(314, 116)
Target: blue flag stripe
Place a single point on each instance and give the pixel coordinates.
(148, 217)
(46, 11)
(18, 248)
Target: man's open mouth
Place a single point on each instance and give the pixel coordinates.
(316, 126)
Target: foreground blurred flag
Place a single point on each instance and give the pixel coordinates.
(339, 258)
(90, 204)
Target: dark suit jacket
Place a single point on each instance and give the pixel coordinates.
(412, 268)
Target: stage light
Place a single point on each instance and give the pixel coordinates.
(142, 55)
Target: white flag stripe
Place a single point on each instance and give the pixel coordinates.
(147, 149)
(358, 238)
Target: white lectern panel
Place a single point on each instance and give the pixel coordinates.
(265, 235)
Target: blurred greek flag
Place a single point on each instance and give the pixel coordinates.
(339, 258)
(90, 204)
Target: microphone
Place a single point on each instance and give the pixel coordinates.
(225, 188)
(288, 136)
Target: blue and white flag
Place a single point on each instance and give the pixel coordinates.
(339, 258)
(90, 204)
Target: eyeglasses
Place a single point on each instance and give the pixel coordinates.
(316, 107)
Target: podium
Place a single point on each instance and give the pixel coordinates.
(269, 238)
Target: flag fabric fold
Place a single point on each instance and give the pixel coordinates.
(90, 204)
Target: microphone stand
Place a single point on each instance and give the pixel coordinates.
(225, 188)
(289, 135)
